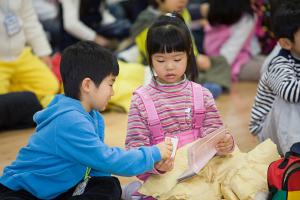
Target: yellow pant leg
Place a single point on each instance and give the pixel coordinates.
(130, 77)
(6, 71)
(33, 75)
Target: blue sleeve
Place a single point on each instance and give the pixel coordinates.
(78, 141)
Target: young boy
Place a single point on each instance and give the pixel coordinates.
(68, 144)
(275, 114)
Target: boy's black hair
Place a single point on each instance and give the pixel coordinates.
(228, 12)
(154, 3)
(168, 34)
(85, 60)
(286, 20)
(273, 6)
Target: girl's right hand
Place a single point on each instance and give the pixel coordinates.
(165, 149)
(164, 165)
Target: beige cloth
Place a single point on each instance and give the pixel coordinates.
(238, 176)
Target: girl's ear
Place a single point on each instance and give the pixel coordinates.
(285, 43)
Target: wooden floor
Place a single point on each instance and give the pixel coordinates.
(234, 108)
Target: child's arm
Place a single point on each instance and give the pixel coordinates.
(282, 80)
(72, 23)
(34, 33)
(79, 142)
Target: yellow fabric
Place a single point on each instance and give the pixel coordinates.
(293, 195)
(28, 73)
(131, 76)
(140, 39)
(238, 176)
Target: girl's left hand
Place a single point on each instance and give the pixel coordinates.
(165, 165)
(225, 146)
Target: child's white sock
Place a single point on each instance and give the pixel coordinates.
(129, 189)
(261, 196)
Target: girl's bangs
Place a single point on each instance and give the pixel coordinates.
(168, 42)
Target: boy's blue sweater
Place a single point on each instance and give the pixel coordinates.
(67, 141)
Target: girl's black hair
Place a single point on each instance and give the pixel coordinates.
(168, 34)
(228, 12)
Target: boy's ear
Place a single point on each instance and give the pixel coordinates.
(86, 84)
(285, 43)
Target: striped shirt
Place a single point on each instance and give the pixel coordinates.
(282, 79)
(174, 105)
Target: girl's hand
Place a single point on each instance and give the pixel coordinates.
(165, 165)
(225, 146)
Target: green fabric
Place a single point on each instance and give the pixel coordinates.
(280, 195)
(218, 73)
(144, 20)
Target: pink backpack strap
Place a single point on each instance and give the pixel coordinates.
(199, 109)
(153, 119)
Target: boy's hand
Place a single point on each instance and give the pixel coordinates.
(225, 146)
(165, 149)
(165, 165)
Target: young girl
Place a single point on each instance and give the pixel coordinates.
(216, 79)
(230, 32)
(172, 105)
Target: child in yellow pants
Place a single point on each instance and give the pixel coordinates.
(28, 73)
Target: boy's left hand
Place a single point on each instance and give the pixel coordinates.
(225, 146)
